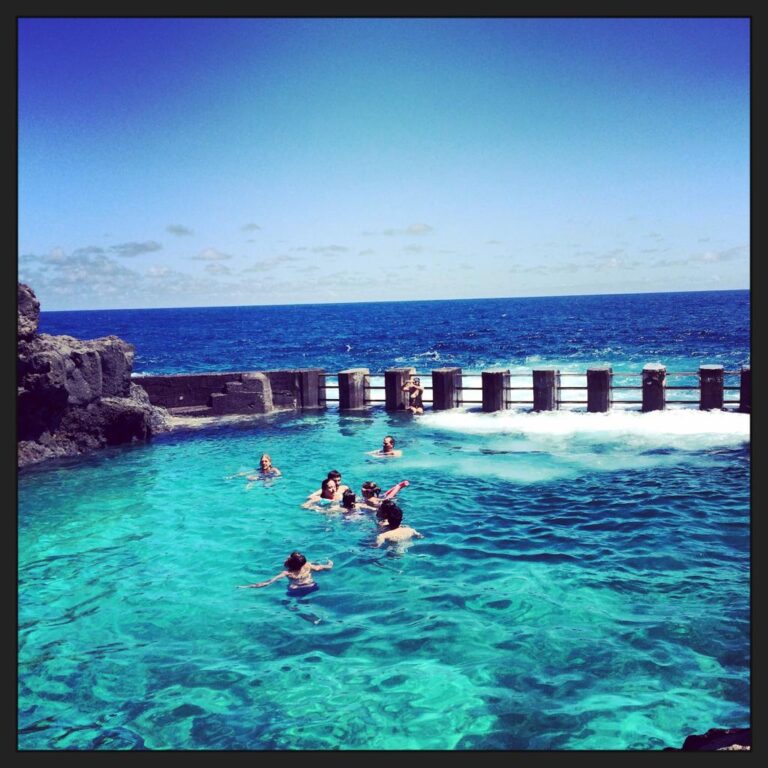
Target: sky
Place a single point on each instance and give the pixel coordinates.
(175, 162)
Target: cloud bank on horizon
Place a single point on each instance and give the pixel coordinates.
(326, 160)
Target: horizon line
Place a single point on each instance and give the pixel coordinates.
(392, 301)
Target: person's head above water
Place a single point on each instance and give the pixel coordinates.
(370, 489)
(334, 474)
(328, 488)
(295, 562)
(388, 444)
(265, 461)
(385, 509)
(348, 499)
(395, 516)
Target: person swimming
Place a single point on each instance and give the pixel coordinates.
(298, 571)
(414, 389)
(385, 509)
(370, 492)
(395, 530)
(266, 468)
(387, 448)
(329, 491)
(264, 471)
(349, 502)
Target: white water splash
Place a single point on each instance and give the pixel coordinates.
(686, 429)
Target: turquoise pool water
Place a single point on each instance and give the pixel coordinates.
(583, 583)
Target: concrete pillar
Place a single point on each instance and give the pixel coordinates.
(446, 388)
(599, 384)
(711, 387)
(310, 385)
(495, 383)
(546, 389)
(394, 378)
(654, 387)
(745, 393)
(352, 388)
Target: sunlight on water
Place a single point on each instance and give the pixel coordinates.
(582, 583)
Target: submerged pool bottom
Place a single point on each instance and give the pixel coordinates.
(581, 584)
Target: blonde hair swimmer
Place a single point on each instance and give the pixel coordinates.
(265, 470)
(298, 571)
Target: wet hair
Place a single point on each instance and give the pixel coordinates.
(395, 517)
(324, 485)
(265, 456)
(385, 509)
(370, 488)
(334, 474)
(389, 437)
(295, 562)
(348, 499)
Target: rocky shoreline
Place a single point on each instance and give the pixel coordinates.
(75, 396)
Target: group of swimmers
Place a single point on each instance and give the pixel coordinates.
(389, 516)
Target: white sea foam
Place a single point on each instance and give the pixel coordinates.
(684, 428)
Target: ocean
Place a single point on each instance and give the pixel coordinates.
(583, 580)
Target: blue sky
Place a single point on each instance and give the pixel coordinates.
(211, 162)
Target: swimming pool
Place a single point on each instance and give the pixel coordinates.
(583, 583)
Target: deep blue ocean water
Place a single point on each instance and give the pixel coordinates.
(582, 583)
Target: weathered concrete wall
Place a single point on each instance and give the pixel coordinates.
(185, 389)
(290, 388)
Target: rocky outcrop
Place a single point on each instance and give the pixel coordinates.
(75, 396)
(717, 740)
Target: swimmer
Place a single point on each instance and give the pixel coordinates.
(384, 510)
(265, 470)
(328, 492)
(396, 531)
(349, 502)
(298, 571)
(387, 448)
(415, 391)
(334, 474)
(370, 492)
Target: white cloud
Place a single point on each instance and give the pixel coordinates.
(135, 248)
(179, 229)
(211, 254)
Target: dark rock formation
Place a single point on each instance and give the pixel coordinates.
(717, 740)
(75, 396)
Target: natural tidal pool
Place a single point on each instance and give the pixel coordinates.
(582, 583)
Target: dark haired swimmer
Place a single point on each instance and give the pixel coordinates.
(298, 571)
(395, 531)
(371, 493)
(415, 391)
(329, 491)
(385, 509)
(387, 448)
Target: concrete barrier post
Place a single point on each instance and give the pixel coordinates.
(745, 389)
(654, 387)
(394, 378)
(495, 383)
(352, 388)
(599, 386)
(546, 389)
(446, 388)
(310, 384)
(711, 387)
